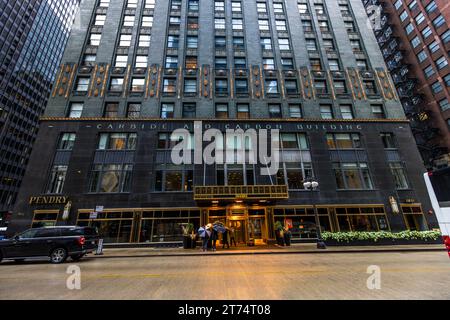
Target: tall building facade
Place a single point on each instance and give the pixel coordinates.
(138, 70)
(33, 34)
(414, 37)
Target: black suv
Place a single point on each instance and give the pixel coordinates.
(57, 243)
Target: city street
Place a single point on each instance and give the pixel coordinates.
(408, 275)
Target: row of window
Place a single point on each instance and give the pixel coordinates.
(189, 110)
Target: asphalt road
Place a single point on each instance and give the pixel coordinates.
(410, 275)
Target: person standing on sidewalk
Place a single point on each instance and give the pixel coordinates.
(214, 238)
(232, 238)
(225, 239)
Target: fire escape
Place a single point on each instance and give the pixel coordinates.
(412, 101)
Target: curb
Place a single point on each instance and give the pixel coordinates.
(266, 253)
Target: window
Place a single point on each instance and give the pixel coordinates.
(219, 5)
(193, 5)
(398, 172)
(447, 80)
(94, 39)
(323, 25)
(261, 7)
(116, 84)
(128, 21)
(243, 111)
(134, 110)
(403, 15)
(398, 4)
(329, 44)
(441, 63)
(350, 26)
(271, 86)
(192, 42)
(238, 43)
(319, 8)
(307, 25)
(237, 24)
(426, 32)
(291, 87)
(169, 86)
(344, 141)
(172, 178)
(429, 71)
(131, 4)
(284, 44)
(316, 65)
(409, 28)
(266, 43)
(141, 62)
(420, 18)
(174, 22)
(57, 179)
(220, 42)
(219, 24)
(111, 178)
(240, 63)
(378, 112)
(362, 64)
(431, 7)
(221, 63)
(100, 19)
(439, 21)
(125, 40)
(121, 61)
(352, 175)
(422, 56)
(222, 111)
(137, 84)
(412, 5)
(415, 41)
(370, 86)
(236, 7)
(147, 21)
(436, 87)
(269, 64)
(167, 110)
(241, 86)
(89, 60)
(287, 63)
(175, 5)
(388, 140)
(149, 4)
(75, 109)
(144, 41)
(303, 8)
(311, 45)
(321, 86)
(444, 105)
(189, 110)
(221, 86)
(280, 25)
(82, 85)
(326, 111)
(346, 111)
(171, 62)
(446, 36)
(278, 8)
(172, 42)
(433, 47)
(111, 110)
(333, 64)
(340, 87)
(295, 111)
(103, 3)
(274, 110)
(293, 173)
(263, 24)
(191, 62)
(190, 86)
(66, 141)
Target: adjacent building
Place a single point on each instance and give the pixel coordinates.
(414, 37)
(138, 70)
(33, 34)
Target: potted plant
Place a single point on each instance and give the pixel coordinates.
(279, 233)
(188, 229)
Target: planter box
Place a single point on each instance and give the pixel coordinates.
(382, 242)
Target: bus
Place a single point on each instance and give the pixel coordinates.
(438, 186)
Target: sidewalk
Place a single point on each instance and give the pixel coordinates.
(309, 248)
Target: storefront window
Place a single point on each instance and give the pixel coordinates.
(111, 178)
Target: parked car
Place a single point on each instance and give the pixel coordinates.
(56, 243)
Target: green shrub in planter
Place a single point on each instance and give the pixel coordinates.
(381, 235)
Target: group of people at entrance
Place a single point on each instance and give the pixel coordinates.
(210, 235)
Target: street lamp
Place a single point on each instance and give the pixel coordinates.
(312, 184)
